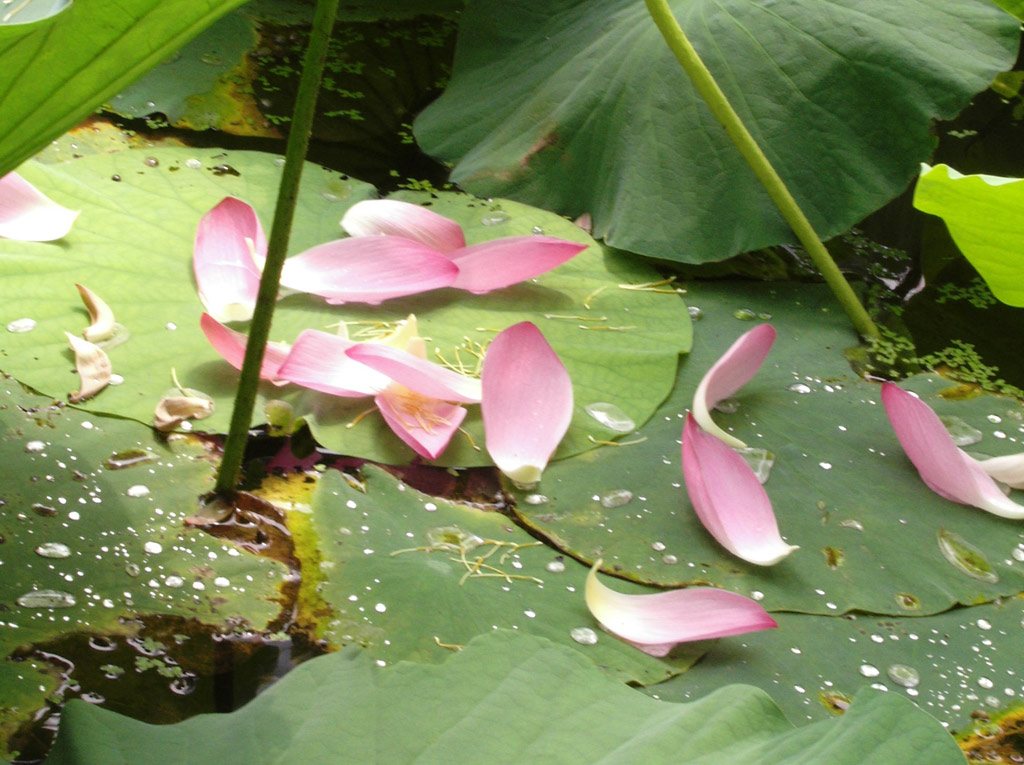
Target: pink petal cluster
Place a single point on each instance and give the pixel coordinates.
(396, 249)
(948, 470)
(656, 623)
(724, 491)
(28, 215)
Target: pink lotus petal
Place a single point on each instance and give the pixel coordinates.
(944, 467)
(729, 500)
(425, 424)
(231, 345)
(418, 374)
(227, 277)
(368, 269)
(318, 361)
(1008, 469)
(389, 216)
(730, 373)
(28, 215)
(656, 623)
(503, 262)
(527, 402)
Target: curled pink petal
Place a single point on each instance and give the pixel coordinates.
(503, 262)
(1008, 469)
(418, 374)
(729, 500)
(28, 215)
(318, 361)
(389, 216)
(368, 269)
(425, 424)
(730, 373)
(656, 623)
(944, 467)
(231, 345)
(228, 239)
(527, 402)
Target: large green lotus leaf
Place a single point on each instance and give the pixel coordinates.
(985, 216)
(132, 245)
(578, 106)
(1015, 7)
(507, 698)
(867, 526)
(394, 576)
(85, 548)
(54, 73)
(949, 664)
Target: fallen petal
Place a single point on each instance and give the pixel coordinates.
(527, 402)
(729, 500)
(389, 216)
(656, 623)
(1008, 469)
(228, 240)
(425, 424)
(368, 269)
(317, 361)
(102, 318)
(422, 376)
(730, 373)
(93, 368)
(231, 345)
(171, 411)
(28, 215)
(503, 262)
(944, 467)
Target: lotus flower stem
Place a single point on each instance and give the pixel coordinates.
(259, 331)
(719, 105)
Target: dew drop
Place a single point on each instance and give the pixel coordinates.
(35, 446)
(696, 314)
(46, 599)
(174, 581)
(669, 560)
(658, 546)
(132, 569)
(907, 601)
(799, 387)
(153, 548)
(19, 326)
(984, 682)
(116, 379)
(869, 670)
(761, 461)
(211, 58)
(610, 416)
(129, 458)
(583, 635)
(138, 490)
(616, 498)
(556, 566)
(852, 524)
(757, 595)
(744, 314)
(965, 557)
(452, 539)
(539, 499)
(901, 674)
(962, 433)
(727, 406)
(537, 231)
(495, 218)
(53, 550)
(193, 164)
(984, 624)
(151, 161)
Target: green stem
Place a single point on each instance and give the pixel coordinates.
(773, 184)
(259, 330)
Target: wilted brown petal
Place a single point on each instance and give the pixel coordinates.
(173, 410)
(93, 367)
(100, 315)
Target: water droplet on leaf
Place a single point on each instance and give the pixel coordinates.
(610, 416)
(616, 498)
(966, 557)
(53, 550)
(18, 326)
(901, 674)
(46, 599)
(583, 635)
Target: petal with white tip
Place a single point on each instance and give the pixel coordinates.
(655, 623)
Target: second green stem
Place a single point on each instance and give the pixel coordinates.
(720, 107)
